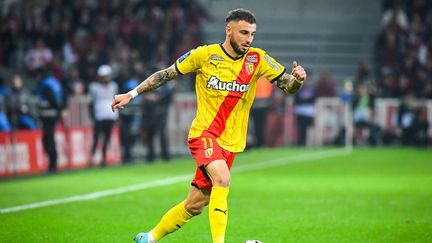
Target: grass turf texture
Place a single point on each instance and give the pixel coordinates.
(370, 195)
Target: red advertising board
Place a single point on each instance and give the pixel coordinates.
(22, 152)
(6, 165)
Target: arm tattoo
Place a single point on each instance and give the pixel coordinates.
(288, 84)
(157, 79)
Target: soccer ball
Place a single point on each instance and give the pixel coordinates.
(252, 241)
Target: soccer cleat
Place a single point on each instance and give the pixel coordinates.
(141, 238)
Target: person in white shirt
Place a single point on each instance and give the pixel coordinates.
(38, 56)
(101, 94)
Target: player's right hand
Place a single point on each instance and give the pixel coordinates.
(120, 101)
(298, 72)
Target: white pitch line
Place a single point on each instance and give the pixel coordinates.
(292, 160)
(173, 180)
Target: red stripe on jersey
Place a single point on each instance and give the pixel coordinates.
(217, 127)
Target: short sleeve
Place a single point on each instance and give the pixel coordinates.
(191, 61)
(271, 69)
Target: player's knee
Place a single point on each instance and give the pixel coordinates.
(221, 180)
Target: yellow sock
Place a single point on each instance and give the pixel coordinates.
(218, 213)
(174, 219)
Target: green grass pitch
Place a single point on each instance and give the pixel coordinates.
(368, 195)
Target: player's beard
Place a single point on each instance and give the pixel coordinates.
(236, 47)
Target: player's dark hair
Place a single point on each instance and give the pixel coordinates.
(240, 14)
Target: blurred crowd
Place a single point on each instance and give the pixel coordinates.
(75, 37)
(404, 49)
(97, 48)
(402, 70)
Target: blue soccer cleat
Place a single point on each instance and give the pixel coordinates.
(141, 238)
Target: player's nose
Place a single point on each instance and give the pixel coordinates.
(250, 38)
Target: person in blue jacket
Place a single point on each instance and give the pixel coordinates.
(4, 121)
(129, 121)
(50, 93)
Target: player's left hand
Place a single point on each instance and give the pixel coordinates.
(298, 72)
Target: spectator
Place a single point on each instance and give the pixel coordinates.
(275, 129)
(20, 107)
(50, 95)
(304, 109)
(72, 49)
(4, 121)
(364, 74)
(3, 88)
(82, 14)
(73, 83)
(326, 86)
(407, 120)
(422, 125)
(387, 49)
(101, 94)
(413, 122)
(260, 110)
(388, 86)
(155, 114)
(397, 15)
(363, 117)
(129, 118)
(129, 22)
(39, 56)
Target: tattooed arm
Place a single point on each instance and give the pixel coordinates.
(157, 79)
(288, 84)
(153, 82)
(291, 83)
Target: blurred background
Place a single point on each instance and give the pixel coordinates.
(369, 67)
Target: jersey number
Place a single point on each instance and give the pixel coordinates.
(207, 142)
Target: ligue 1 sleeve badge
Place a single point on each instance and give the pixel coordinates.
(182, 58)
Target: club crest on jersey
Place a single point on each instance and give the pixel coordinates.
(249, 68)
(182, 58)
(216, 84)
(208, 152)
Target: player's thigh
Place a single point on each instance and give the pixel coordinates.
(197, 199)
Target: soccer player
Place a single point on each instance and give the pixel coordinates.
(226, 79)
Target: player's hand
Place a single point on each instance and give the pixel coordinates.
(120, 101)
(298, 72)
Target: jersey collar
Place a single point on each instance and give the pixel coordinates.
(226, 53)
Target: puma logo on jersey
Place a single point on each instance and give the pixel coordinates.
(214, 64)
(216, 84)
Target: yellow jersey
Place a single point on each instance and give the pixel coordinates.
(225, 89)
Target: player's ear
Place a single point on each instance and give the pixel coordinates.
(228, 29)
